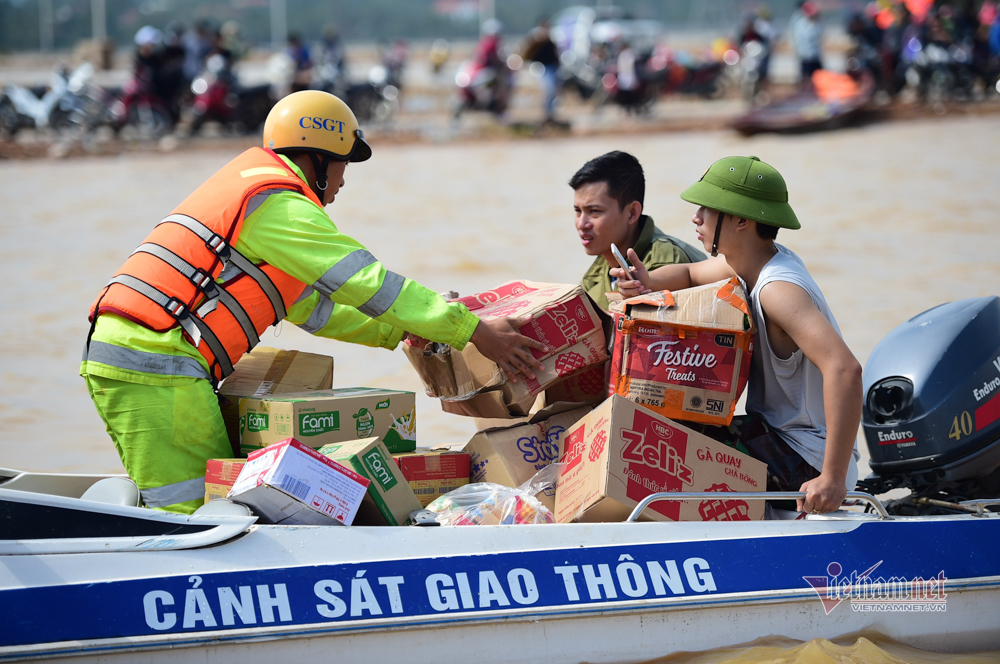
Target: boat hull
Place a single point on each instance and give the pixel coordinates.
(552, 593)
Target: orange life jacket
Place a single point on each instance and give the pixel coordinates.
(170, 280)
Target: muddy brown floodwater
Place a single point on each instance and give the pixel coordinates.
(896, 217)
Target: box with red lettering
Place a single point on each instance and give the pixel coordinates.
(620, 453)
(686, 354)
(561, 316)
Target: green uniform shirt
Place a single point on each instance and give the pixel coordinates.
(291, 233)
(654, 248)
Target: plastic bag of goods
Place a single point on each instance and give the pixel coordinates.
(489, 504)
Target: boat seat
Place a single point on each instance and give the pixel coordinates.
(113, 491)
(223, 507)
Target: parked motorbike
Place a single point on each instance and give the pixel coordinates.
(938, 72)
(219, 97)
(750, 61)
(482, 88)
(140, 108)
(69, 104)
(679, 73)
(639, 99)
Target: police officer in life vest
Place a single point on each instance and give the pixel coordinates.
(252, 246)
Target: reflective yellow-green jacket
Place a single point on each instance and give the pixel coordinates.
(289, 232)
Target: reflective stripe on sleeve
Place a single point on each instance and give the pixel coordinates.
(306, 292)
(258, 199)
(343, 270)
(319, 317)
(171, 494)
(384, 298)
(137, 360)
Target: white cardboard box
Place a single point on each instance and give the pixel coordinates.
(292, 484)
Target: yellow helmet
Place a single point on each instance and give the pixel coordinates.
(315, 121)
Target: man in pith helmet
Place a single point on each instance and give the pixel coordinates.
(250, 247)
(804, 395)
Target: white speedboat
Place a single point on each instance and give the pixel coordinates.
(91, 581)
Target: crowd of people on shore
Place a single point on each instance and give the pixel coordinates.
(951, 46)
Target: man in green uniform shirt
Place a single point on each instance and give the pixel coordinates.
(608, 204)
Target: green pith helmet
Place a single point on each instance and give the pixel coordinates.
(745, 187)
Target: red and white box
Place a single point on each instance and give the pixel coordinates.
(620, 452)
(561, 316)
(686, 354)
(292, 484)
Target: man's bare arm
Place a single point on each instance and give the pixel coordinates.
(669, 277)
(790, 309)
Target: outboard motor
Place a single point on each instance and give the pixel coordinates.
(931, 411)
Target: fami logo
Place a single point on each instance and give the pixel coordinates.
(382, 405)
(256, 422)
(314, 424)
(378, 468)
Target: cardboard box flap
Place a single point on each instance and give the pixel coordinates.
(448, 374)
(721, 305)
(266, 370)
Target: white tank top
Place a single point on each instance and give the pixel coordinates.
(788, 393)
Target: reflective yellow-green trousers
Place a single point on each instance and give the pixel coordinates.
(164, 436)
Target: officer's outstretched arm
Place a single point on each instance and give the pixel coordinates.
(500, 341)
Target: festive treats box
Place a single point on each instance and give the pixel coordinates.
(684, 354)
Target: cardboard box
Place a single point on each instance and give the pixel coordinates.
(685, 355)
(220, 475)
(331, 416)
(390, 500)
(433, 473)
(561, 315)
(587, 352)
(292, 484)
(265, 371)
(511, 456)
(587, 386)
(622, 452)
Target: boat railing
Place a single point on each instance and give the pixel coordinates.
(980, 503)
(750, 495)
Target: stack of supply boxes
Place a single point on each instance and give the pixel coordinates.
(676, 356)
(612, 415)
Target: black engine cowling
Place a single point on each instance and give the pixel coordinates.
(932, 398)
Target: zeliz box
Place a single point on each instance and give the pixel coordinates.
(621, 452)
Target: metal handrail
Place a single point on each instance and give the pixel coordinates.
(749, 495)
